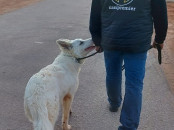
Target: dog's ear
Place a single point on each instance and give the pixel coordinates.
(64, 43)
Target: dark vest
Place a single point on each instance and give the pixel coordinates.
(127, 25)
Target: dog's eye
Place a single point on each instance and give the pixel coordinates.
(81, 43)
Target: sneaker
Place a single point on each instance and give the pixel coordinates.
(113, 109)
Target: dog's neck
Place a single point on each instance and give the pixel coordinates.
(76, 59)
(68, 62)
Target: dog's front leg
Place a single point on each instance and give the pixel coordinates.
(67, 100)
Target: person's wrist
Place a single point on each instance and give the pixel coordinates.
(155, 43)
(99, 49)
(158, 42)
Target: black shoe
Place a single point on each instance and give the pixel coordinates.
(113, 109)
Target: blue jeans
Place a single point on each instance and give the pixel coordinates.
(134, 75)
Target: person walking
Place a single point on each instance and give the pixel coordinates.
(123, 30)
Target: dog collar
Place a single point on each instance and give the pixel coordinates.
(77, 60)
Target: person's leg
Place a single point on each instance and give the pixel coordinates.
(134, 72)
(113, 64)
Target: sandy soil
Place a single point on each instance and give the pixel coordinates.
(11, 5)
(168, 52)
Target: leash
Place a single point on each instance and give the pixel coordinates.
(78, 59)
(123, 67)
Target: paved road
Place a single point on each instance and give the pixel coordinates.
(27, 43)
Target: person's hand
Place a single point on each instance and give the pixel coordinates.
(161, 45)
(98, 49)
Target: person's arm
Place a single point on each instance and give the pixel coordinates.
(159, 14)
(95, 22)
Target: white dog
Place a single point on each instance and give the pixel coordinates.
(54, 85)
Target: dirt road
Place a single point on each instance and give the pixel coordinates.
(168, 53)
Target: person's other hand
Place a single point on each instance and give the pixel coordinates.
(161, 45)
(98, 49)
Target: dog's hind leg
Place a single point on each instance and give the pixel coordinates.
(67, 100)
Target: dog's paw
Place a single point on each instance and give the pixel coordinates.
(67, 127)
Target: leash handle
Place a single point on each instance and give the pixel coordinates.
(159, 53)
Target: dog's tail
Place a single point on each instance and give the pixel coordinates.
(39, 117)
(42, 122)
(27, 111)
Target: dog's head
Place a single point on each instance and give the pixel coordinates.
(77, 48)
